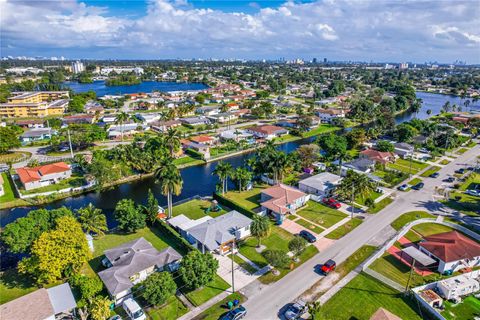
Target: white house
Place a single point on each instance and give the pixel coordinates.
(322, 184)
(223, 117)
(131, 263)
(326, 115)
(456, 287)
(452, 250)
(41, 176)
(404, 150)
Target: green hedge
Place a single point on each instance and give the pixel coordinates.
(233, 205)
(182, 243)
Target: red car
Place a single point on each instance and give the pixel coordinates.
(328, 266)
(332, 203)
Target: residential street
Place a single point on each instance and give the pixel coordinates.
(264, 302)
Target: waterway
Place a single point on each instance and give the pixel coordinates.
(146, 86)
(198, 180)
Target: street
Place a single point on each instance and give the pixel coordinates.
(265, 302)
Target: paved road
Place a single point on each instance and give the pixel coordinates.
(265, 302)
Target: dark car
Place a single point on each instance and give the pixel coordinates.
(434, 175)
(235, 314)
(307, 236)
(332, 203)
(328, 266)
(418, 186)
(460, 171)
(449, 179)
(295, 310)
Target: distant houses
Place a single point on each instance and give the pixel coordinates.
(36, 177)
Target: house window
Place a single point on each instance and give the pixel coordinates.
(134, 277)
(247, 228)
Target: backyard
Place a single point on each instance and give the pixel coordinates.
(249, 199)
(197, 208)
(362, 296)
(320, 214)
(467, 309)
(74, 181)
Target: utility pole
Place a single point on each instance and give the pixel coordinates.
(353, 198)
(70, 143)
(410, 275)
(233, 256)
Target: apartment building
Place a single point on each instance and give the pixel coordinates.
(35, 104)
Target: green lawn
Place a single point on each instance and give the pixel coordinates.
(320, 214)
(202, 295)
(187, 161)
(344, 229)
(392, 268)
(158, 240)
(462, 150)
(74, 182)
(430, 171)
(249, 199)
(14, 285)
(466, 203)
(173, 309)
(444, 162)
(467, 309)
(380, 205)
(409, 217)
(218, 309)
(7, 187)
(355, 260)
(309, 226)
(414, 181)
(277, 240)
(242, 263)
(427, 229)
(362, 296)
(14, 157)
(372, 195)
(269, 277)
(407, 166)
(323, 128)
(196, 209)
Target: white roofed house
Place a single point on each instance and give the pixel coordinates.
(131, 263)
(403, 150)
(128, 129)
(322, 184)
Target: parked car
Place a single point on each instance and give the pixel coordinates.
(115, 317)
(471, 169)
(423, 150)
(235, 314)
(460, 171)
(418, 186)
(328, 267)
(403, 187)
(331, 202)
(472, 192)
(449, 179)
(434, 175)
(295, 310)
(133, 310)
(307, 236)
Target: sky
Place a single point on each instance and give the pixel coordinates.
(339, 30)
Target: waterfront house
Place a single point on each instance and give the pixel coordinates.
(41, 176)
(223, 117)
(36, 135)
(204, 139)
(281, 200)
(195, 121)
(267, 131)
(235, 134)
(404, 150)
(321, 185)
(42, 304)
(131, 263)
(327, 115)
(378, 156)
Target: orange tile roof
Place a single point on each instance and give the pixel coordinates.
(27, 174)
(451, 246)
(267, 129)
(201, 139)
(282, 195)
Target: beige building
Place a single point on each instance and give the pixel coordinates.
(35, 104)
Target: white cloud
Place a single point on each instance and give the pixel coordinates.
(338, 29)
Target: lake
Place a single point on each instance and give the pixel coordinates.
(198, 180)
(146, 86)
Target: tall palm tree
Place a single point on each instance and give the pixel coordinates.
(172, 140)
(92, 220)
(170, 180)
(279, 166)
(223, 170)
(260, 228)
(120, 119)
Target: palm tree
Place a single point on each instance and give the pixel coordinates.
(120, 119)
(92, 220)
(466, 103)
(170, 180)
(172, 140)
(279, 166)
(260, 228)
(223, 170)
(242, 176)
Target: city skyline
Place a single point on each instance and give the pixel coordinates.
(339, 30)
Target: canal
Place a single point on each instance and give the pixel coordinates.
(198, 180)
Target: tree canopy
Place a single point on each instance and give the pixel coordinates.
(158, 287)
(197, 269)
(130, 217)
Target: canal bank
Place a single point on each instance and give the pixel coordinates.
(198, 179)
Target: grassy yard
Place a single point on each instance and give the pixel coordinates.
(242, 263)
(444, 162)
(7, 187)
(407, 166)
(249, 199)
(218, 309)
(269, 277)
(202, 295)
(371, 195)
(467, 309)
(414, 181)
(187, 161)
(344, 229)
(171, 310)
(466, 203)
(73, 182)
(14, 285)
(309, 226)
(427, 229)
(14, 157)
(430, 171)
(462, 150)
(277, 240)
(362, 296)
(323, 128)
(196, 209)
(320, 214)
(380, 205)
(355, 260)
(409, 217)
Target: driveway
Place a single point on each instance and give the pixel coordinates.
(292, 226)
(242, 277)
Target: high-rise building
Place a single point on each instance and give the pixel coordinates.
(325, 60)
(314, 60)
(78, 67)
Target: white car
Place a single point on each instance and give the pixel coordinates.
(133, 310)
(473, 192)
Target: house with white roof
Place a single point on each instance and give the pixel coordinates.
(321, 185)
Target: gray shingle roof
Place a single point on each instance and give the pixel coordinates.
(214, 232)
(131, 258)
(322, 181)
